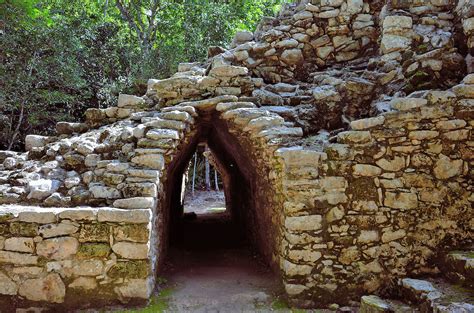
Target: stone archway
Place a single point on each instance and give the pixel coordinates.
(250, 190)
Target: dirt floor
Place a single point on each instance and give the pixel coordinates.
(210, 267)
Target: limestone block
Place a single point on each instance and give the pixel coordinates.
(117, 167)
(228, 71)
(407, 104)
(335, 214)
(358, 137)
(423, 134)
(78, 215)
(451, 124)
(367, 236)
(20, 244)
(177, 116)
(468, 26)
(446, 168)
(463, 90)
(389, 236)
(130, 101)
(135, 203)
(326, 93)
(123, 216)
(132, 232)
(134, 288)
(397, 21)
(457, 135)
(392, 43)
(227, 106)
(70, 128)
(292, 269)
(103, 192)
(97, 232)
(329, 14)
(7, 286)
(374, 304)
(354, 6)
(324, 52)
(42, 188)
(469, 79)
(366, 170)
(367, 123)
(304, 255)
(58, 248)
(35, 141)
(48, 289)
(401, 200)
(128, 250)
(56, 230)
(332, 3)
(292, 56)
(157, 134)
(18, 258)
(243, 36)
(139, 190)
(302, 15)
(37, 217)
(88, 268)
(304, 223)
(392, 165)
(349, 255)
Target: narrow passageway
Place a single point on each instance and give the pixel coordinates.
(210, 265)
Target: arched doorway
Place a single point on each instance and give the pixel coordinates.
(227, 243)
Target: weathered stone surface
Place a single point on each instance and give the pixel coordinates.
(135, 216)
(49, 289)
(56, 230)
(20, 244)
(135, 203)
(446, 168)
(58, 248)
(401, 200)
(302, 223)
(135, 288)
(151, 161)
(134, 251)
(7, 285)
(374, 304)
(18, 258)
(42, 188)
(292, 56)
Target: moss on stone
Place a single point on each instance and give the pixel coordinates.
(3, 229)
(93, 250)
(129, 269)
(24, 229)
(131, 232)
(98, 232)
(6, 217)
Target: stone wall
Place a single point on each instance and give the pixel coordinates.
(351, 133)
(385, 200)
(63, 256)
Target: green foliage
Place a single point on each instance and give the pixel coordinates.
(60, 57)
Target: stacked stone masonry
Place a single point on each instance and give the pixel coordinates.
(349, 121)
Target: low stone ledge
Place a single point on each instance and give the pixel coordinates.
(52, 256)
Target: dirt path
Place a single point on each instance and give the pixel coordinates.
(210, 267)
(227, 280)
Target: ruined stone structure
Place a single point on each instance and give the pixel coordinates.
(343, 129)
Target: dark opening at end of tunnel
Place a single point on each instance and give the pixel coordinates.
(210, 219)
